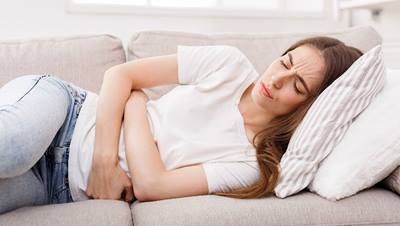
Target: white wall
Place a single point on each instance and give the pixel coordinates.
(388, 26)
(42, 18)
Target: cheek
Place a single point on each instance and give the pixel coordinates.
(289, 99)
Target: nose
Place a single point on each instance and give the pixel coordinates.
(277, 80)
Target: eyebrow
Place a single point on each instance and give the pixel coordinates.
(297, 75)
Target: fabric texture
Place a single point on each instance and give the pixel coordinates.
(211, 131)
(375, 206)
(188, 131)
(92, 212)
(327, 121)
(370, 149)
(79, 59)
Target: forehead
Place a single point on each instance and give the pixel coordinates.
(309, 64)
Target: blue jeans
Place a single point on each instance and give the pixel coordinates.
(38, 114)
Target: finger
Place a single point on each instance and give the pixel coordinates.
(128, 194)
(129, 189)
(89, 193)
(123, 194)
(125, 180)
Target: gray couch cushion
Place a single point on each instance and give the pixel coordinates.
(392, 181)
(260, 48)
(92, 212)
(78, 59)
(375, 206)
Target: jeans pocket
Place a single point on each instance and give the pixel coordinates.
(59, 189)
(16, 89)
(61, 194)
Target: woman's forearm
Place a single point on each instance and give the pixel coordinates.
(114, 93)
(144, 161)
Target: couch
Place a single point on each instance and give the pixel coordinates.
(82, 59)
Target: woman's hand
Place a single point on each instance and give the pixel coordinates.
(107, 180)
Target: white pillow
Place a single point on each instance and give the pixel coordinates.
(368, 152)
(327, 121)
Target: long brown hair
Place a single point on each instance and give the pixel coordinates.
(273, 141)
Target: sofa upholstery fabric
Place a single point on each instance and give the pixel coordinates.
(79, 59)
(372, 207)
(91, 212)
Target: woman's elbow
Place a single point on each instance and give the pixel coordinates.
(143, 193)
(112, 70)
(141, 197)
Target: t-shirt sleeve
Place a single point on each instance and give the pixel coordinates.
(195, 63)
(227, 176)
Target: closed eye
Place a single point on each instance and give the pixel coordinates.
(297, 90)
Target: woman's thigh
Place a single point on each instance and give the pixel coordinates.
(32, 110)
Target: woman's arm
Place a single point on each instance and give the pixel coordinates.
(107, 180)
(114, 93)
(149, 177)
(143, 157)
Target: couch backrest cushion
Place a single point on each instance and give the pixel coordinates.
(260, 48)
(81, 60)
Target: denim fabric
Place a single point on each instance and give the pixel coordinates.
(38, 114)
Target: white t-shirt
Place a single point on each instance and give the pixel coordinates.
(196, 122)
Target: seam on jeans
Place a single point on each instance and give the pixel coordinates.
(33, 86)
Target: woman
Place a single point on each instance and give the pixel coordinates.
(236, 123)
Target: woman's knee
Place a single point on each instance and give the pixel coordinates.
(17, 88)
(29, 124)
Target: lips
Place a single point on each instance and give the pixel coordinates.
(265, 90)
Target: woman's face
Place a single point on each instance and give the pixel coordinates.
(283, 80)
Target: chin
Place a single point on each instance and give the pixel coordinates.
(262, 102)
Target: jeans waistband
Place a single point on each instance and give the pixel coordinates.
(77, 96)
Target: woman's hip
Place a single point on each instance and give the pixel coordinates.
(47, 108)
(40, 102)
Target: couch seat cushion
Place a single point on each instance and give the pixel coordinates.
(375, 206)
(91, 212)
